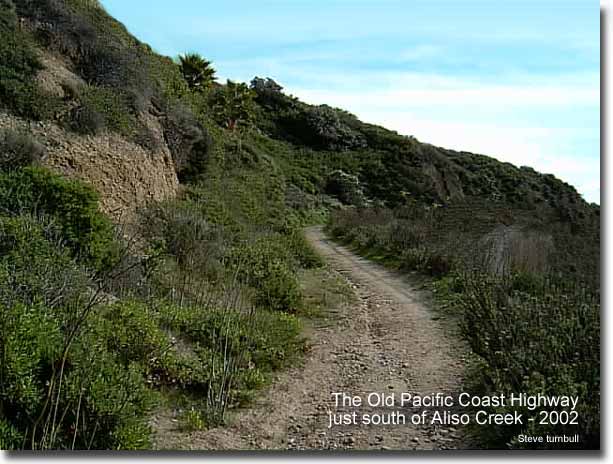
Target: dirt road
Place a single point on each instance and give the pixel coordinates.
(387, 341)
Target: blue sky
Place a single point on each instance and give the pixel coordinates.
(517, 80)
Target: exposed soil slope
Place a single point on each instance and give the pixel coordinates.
(388, 340)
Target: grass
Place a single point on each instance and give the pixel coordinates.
(323, 291)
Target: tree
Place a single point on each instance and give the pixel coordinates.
(198, 72)
(233, 106)
(265, 86)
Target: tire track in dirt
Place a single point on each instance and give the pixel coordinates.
(387, 341)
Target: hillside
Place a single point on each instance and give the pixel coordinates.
(169, 213)
(96, 78)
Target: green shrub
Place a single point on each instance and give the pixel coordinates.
(19, 65)
(10, 437)
(135, 335)
(302, 251)
(132, 435)
(428, 261)
(248, 345)
(31, 342)
(71, 204)
(267, 265)
(181, 230)
(545, 341)
(532, 332)
(62, 364)
(101, 108)
(108, 397)
(34, 265)
(113, 395)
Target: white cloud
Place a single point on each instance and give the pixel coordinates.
(416, 89)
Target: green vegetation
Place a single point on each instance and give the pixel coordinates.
(63, 383)
(534, 334)
(391, 168)
(199, 313)
(90, 345)
(233, 106)
(72, 206)
(99, 109)
(532, 321)
(197, 72)
(19, 65)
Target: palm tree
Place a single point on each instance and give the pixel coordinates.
(197, 71)
(233, 106)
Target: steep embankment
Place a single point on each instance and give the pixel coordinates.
(124, 174)
(386, 340)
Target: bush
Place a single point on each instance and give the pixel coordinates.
(330, 132)
(35, 267)
(431, 262)
(65, 382)
(19, 149)
(71, 204)
(346, 187)
(267, 265)
(536, 336)
(191, 420)
(249, 344)
(86, 120)
(135, 335)
(534, 330)
(101, 108)
(180, 229)
(19, 65)
(302, 251)
(189, 142)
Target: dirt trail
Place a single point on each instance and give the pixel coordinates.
(387, 341)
